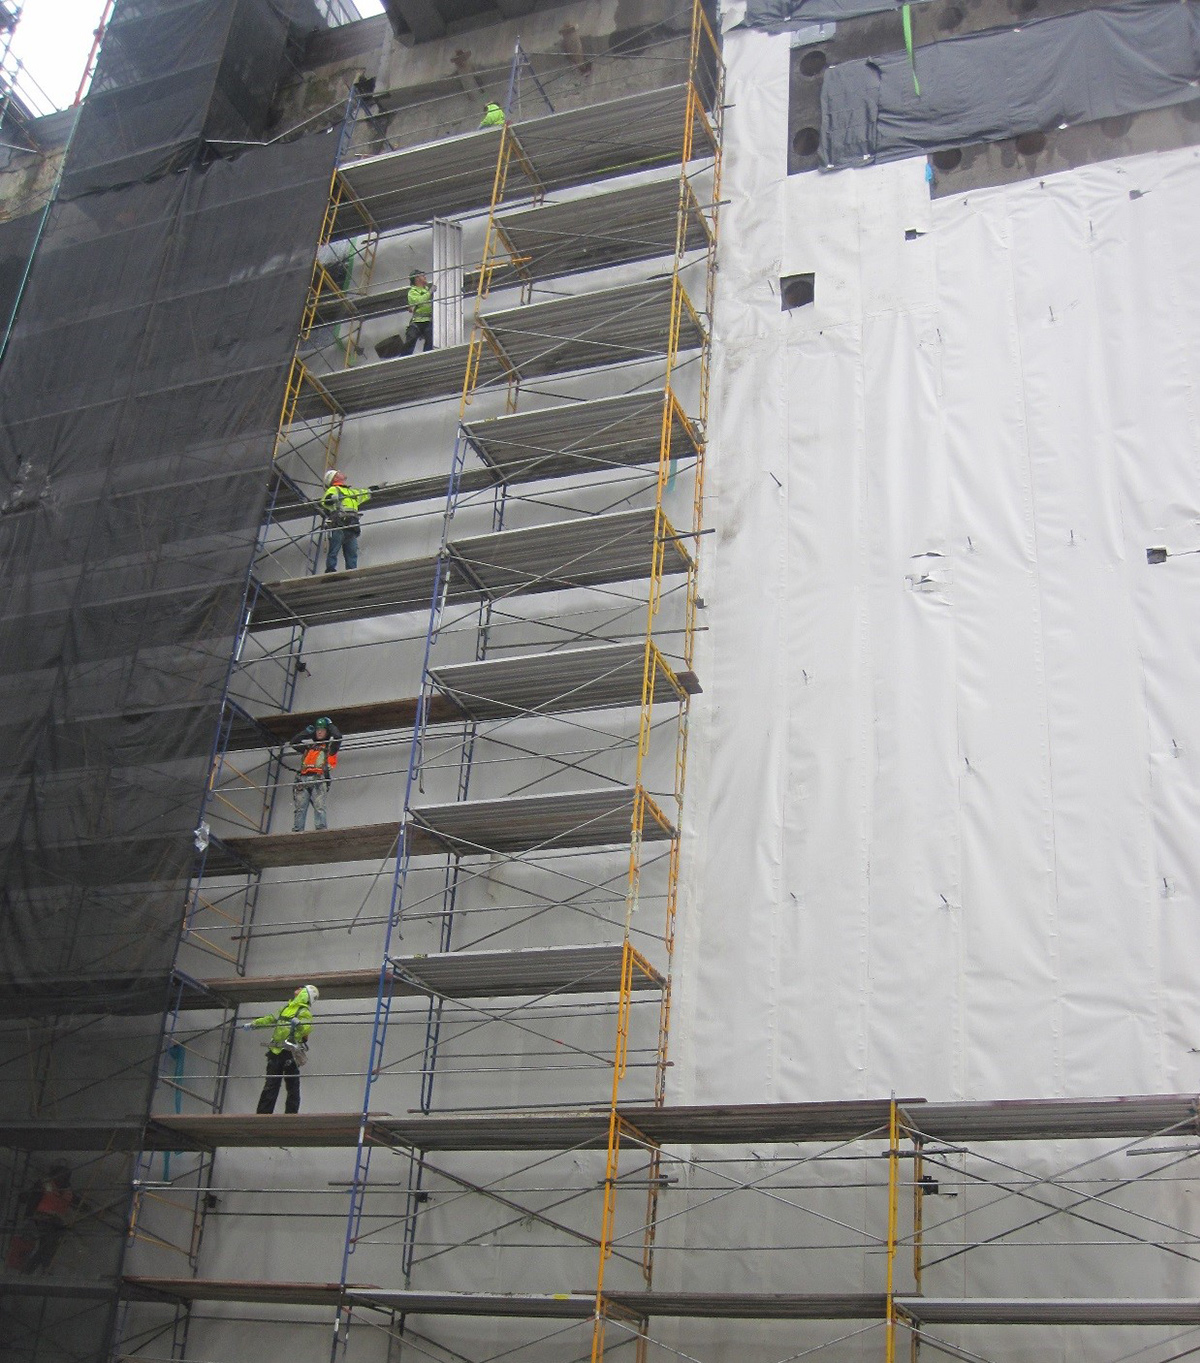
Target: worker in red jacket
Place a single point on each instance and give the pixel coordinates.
(47, 1207)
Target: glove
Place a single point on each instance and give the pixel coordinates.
(246, 1027)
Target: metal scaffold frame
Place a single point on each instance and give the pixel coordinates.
(800, 1156)
(658, 678)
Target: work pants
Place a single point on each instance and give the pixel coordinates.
(417, 331)
(281, 1068)
(346, 539)
(309, 790)
(48, 1232)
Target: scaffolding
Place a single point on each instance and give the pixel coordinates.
(955, 1181)
(488, 574)
(624, 556)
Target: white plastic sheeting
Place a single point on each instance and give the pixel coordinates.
(945, 841)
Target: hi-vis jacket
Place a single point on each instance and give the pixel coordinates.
(341, 505)
(420, 303)
(293, 1022)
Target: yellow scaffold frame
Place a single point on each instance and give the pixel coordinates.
(707, 123)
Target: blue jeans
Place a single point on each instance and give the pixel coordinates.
(418, 331)
(347, 541)
(305, 792)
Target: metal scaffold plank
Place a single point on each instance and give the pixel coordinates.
(609, 326)
(621, 227)
(1034, 1119)
(1051, 1310)
(590, 551)
(590, 969)
(598, 677)
(602, 677)
(566, 1305)
(681, 1305)
(544, 823)
(271, 1292)
(326, 598)
(432, 374)
(582, 438)
(454, 175)
(585, 331)
(573, 1304)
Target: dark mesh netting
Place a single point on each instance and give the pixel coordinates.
(172, 76)
(139, 400)
(18, 237)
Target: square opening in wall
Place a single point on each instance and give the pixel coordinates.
(796, 290)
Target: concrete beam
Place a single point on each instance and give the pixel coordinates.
(422, 18)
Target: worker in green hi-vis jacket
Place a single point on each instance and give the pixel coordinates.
(287, 1049)
(420, 305)
(493, 116)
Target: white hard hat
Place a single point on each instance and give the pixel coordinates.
(313, 993)
(330, 476)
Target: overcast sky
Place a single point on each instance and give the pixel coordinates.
(55, 36)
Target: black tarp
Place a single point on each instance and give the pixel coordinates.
(139, 399)
(18, 237)
(172, 77)
(984, 87)
(778, 16)
(137, 407)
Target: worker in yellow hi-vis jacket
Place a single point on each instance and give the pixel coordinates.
(288, 1048)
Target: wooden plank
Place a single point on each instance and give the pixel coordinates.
(369, 842)
(375, 717)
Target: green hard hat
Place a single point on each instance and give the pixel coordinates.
(323, 723)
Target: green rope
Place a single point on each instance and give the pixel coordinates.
(908, 47)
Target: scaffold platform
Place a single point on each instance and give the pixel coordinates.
(587, 552)
(455, 175)
(603, 677)
(587, 969)
(571, 441)
(1037, 1119)
(585, 331)
(512, 826)
(580, 1305)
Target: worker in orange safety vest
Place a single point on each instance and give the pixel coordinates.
(318, 746)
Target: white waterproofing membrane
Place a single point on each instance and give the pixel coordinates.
(944, 786)
(942, 791)
(947, 826)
